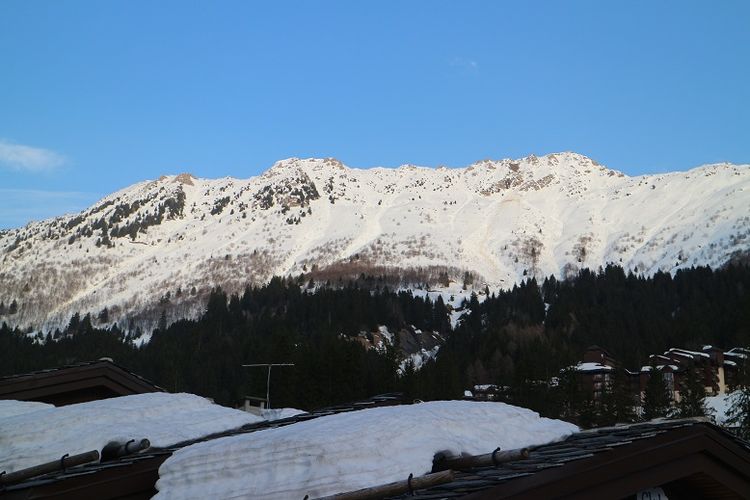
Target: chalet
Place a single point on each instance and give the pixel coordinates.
(596, 370)
(77, 383)
(487, 392)
(734, 358)
(599, 355)
(717, 368)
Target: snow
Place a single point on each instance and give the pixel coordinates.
(481, 218)
(729, 363)
(485, 387)
(348, 451)
(592, 367)
(647, 368)
(11, 408)
(47, 433)
(386, 334)
(678, 351)
(418, 358)
(737, 352)
(280, 413)
(721, 403)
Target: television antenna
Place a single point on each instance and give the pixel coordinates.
(268, 379)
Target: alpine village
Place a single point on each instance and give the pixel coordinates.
(198, 302)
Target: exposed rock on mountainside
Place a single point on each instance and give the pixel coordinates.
(163, 244)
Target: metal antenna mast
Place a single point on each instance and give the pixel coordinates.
(268, 380)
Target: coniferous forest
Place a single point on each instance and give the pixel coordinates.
(519, 339)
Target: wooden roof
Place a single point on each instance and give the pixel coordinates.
(76, 383)
(134, 477)
(686, 458)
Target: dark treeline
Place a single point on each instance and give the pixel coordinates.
(519, 338)
(279, 322)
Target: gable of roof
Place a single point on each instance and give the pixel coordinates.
(683, 456)
(76, 383)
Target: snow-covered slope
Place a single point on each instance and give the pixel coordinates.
(174, 238)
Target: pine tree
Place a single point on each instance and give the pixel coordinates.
(618, 404)
(739, 411)
(104, 316)
(567, 395)
(656, 400)
(162, 325)
(692, 395)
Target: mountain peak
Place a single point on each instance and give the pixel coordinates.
(184, 178)
(501, 219)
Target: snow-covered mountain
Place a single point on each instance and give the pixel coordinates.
(164, 243)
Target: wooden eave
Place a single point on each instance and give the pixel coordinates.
(129, 479)
(53, 385)
(698, 455)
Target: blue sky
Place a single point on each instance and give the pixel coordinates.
(98, 95)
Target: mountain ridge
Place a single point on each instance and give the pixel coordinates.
(500, 220)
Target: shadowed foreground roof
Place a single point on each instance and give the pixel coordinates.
(688, 458)
(78, 383)
(135, 476)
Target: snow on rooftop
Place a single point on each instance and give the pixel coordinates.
(280, 413)
(35, 436)
(737, 352)
(647, 368)
(685, 352)
(485, 387)
(591, 367)
(348, 451)
(11, 408)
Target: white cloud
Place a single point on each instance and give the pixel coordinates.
(27, 158)
(460, 62)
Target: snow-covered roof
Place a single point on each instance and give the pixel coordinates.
(592, 367)
(485, 387)
(11, 408)
(685, 352)
(345, 452)
(31, 436)
(647, 368)
(737, 352)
